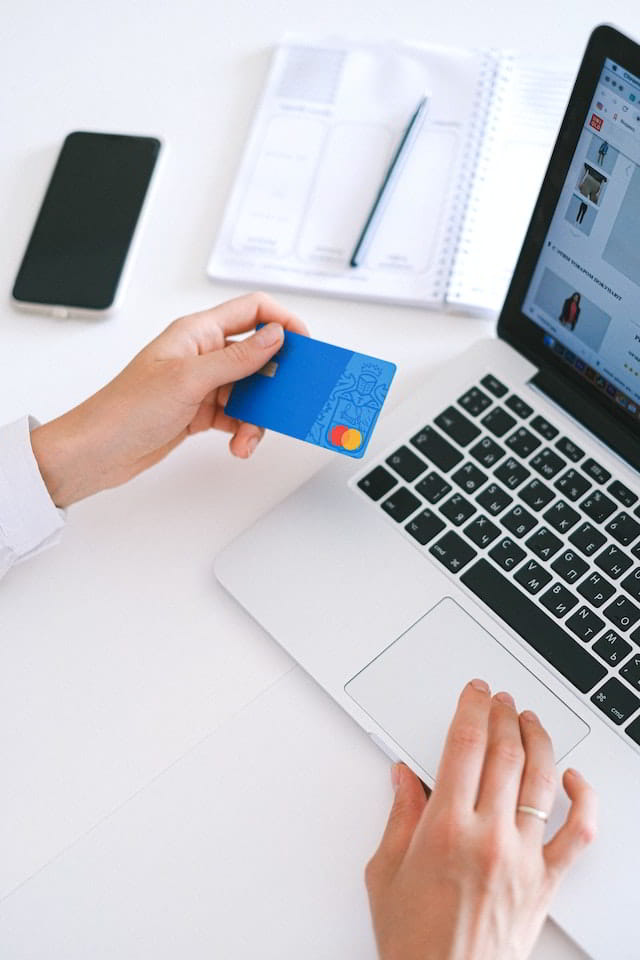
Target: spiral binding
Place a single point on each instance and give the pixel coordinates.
(488, 108)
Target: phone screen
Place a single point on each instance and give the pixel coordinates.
(79, 243)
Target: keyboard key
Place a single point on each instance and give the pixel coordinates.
(377, 483)
(474, 401)
(507, 554)
(544, 428)
(453, 552)
(457, 426)
(519, 521)
(626, 497)
(544, 543)
(534, 626)
(400, 504)
(512, 473)
(569, 449)
(636, 550)
(632, 584)
(482, 531)
(624, 529)
(595, 471)
(537, 494)
(523, 442)
(596, 589)
(611, 648)
(622, 613)
(487, 452)
(635, 636)
(493, 385)
(404, 462)
(587, 539)
(494, 499)
(436, 449)
(457, 509)
(547, 463)
(570, 566)
(532, 576)
(615, 701)
(561, 516)
(469, 478)
(498, 421)
(519, 406)
(558, 600)
(584, 623)
(634, 730)
(631, 672)
(572, 484)
(613, 561)
(433, 487)
(425, 526)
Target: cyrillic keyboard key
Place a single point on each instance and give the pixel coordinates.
(523, 442)
(474, 401)
(632, 584)
(377, 483)
(631, 671)
(436, 449)
(433, 487)
(469, 477)
(633, 730)
(531, 623)
(611, 648)
(453, 552)
(626, 497)
(613, 561)
(457, 509)
(400, 504)
(532, 576)
(404, 462)
(498, 421)
(482, 531)
(587, 539)
(622, 613)
(493, 385)
(571, 450)
(558, 600)
(615, 701)
(518, 521)
(561, 516)
(519, 406)
(537, 494)
(584, 623)
(457, 426)
(596, 589)
(425, 526)
(487, 452)
(512, 473)
(547, 463)
(544, 428)
(624, 529)
(598, 507)
(570, 566)
(507, 553)
(494, 499)
(544, 543)
(572, 484)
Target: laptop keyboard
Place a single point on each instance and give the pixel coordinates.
(541, 533)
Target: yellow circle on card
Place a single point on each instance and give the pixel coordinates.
(351, 439)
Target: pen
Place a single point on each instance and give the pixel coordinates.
(407, 140)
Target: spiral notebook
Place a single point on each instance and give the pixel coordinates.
(327, 125)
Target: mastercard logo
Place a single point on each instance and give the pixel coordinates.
(346, 437)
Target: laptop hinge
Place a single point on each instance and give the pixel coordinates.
(590, 416)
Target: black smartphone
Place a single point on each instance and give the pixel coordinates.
(75, 258)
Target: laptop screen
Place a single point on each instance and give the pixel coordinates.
(585, 287)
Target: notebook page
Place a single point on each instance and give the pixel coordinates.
(528, 104)
(327, 127)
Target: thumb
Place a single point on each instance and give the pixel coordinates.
(408, 804)
(240, 358)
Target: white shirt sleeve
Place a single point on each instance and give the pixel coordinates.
(29, 519)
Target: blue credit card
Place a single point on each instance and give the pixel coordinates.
(316, 392)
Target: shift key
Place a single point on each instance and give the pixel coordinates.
(435, 448)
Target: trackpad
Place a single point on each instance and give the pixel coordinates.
(411, 689)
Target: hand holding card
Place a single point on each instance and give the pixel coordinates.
(316, 392)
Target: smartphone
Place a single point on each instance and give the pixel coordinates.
(75, 259)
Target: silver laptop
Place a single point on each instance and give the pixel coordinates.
(494, 528)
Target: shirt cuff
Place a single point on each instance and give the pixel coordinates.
(29, 519)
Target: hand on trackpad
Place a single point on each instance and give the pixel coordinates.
(411, 689)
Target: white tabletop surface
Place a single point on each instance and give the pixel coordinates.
(171, 784)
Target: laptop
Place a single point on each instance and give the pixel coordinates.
(493, 529)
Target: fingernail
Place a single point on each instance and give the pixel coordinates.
(480, 685)
(396, 771)
(572, 772)
(251, 445)
(530, 716)
(504, 697)
(269, 335)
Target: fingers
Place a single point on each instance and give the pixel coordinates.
(504, 761)
(579, 828)
(538, 785)
(463, 756)
(245, 441)
(239, 359)
(408, 804)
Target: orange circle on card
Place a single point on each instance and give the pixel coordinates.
(351, 439)
(335, 435)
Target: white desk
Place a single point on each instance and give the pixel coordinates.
(171, 784)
